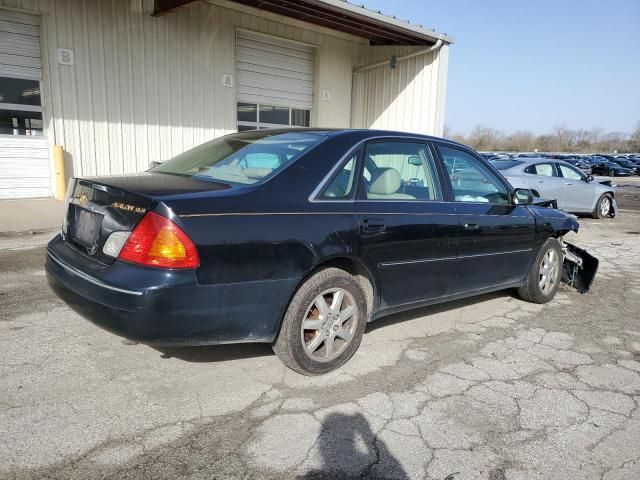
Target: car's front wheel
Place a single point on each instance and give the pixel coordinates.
(603, 207)
(324, 323)
(543, 279)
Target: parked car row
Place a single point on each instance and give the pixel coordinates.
(600, 164)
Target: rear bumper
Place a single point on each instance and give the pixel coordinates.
(167, 307)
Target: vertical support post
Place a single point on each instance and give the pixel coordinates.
(58, 161)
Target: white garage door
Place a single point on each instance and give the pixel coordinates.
(24, 154)
(274, 71)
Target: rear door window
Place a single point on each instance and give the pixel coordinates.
(541, 169)
(400, 171)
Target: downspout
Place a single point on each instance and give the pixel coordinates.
(391, 62)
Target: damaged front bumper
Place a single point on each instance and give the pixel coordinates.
(579, 267)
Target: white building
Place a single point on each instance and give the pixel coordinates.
(120, 83)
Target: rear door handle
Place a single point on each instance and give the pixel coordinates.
(568, 183)
(540, 181)
(472, 226)
(371, 226)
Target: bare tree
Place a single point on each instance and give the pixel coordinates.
(485, 138)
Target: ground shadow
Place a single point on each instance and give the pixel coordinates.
(349, 449)
(438, 308)
(221, 353)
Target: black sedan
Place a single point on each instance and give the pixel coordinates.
(299, 238)
(610, 169)
(628, 164)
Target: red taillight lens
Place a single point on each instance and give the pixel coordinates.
(158, 242)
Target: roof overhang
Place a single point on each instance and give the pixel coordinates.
(339, 15)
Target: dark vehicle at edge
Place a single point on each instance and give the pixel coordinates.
(299, 238)
(609, 168)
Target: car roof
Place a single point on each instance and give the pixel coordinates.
(363, 133)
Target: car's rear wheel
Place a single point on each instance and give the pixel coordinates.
(324, 323)
(603, 207)
(543, 279)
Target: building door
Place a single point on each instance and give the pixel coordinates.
(274, 81)
(25, 169)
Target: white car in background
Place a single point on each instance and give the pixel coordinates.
(553, 179)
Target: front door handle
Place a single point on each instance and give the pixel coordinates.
(472, 226)
(540, 181)
(568, 183)
(371, 226)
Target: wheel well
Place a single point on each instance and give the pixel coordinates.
(359, 271)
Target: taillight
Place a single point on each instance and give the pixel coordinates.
(158, 242)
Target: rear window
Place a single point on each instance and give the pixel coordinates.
(245, 158)
(505, 164)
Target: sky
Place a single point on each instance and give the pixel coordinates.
(532, 65)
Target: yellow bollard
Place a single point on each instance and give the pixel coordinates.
(58, 161)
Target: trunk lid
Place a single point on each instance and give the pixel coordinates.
(97, 207)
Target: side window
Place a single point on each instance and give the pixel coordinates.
(570, 173)
(542, 169)
(342, 184)
(400, 171)
(471, 180)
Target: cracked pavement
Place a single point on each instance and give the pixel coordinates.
(490, 388)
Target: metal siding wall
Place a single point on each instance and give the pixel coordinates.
(145, 88)
(408, 98)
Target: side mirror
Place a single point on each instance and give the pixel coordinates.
(414, 160)
(153, 164)
(590, 178)
(522, 196)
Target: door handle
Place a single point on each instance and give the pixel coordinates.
(568, 183)
(472, 226)
(540, 181)
(372, 226)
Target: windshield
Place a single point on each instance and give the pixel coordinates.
(245, 158)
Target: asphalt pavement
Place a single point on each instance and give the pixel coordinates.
(489, 388)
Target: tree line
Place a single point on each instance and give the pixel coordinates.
(560, 139)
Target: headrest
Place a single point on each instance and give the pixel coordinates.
(385, 181)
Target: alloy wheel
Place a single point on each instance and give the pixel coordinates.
(605, 206)
(549, 270)
(329, 324)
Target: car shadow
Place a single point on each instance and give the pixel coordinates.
(221, 353)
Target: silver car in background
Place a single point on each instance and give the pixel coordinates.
(552, 179)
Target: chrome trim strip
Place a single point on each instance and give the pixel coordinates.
(430, 260)
(249, 214)
(411, 262)
(90, 279)
(524, 250)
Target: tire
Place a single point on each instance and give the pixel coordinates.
(603, 207)
(612, 173)
(335, 330)
(539, 290)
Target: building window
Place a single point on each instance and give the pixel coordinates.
(252, 116)
(20, 107)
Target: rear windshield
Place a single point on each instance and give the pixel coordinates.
(245, 158)
(505, 164)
